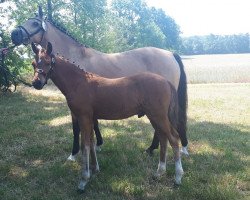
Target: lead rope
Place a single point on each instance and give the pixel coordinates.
(6, 72)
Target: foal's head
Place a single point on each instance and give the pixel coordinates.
(43, 65)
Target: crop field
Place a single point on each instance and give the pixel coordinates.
(225, 68)
(36, 139)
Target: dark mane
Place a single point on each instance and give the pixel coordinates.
(62, 28)
(87, 74)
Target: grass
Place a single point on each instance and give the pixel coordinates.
(225, 68)
(36, 138)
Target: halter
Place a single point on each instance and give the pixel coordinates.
(41, 28)
(52, 65)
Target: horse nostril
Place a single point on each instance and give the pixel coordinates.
(37, 84)
(16, 36)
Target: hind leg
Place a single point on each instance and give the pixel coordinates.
(154, 145)
(76, 133)
(161, 133)
(166, 132)
(163, 153)
(173, 139)
(99, 140)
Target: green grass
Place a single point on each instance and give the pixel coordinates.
(225, 68)
(36, 138)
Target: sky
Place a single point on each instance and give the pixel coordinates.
(203, 17)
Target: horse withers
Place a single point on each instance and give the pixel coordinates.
(147, 59)
(92, 97)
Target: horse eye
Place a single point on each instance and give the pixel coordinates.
(35, 24)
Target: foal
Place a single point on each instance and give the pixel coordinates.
(92, 97)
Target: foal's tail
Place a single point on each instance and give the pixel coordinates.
(182, 99)
(173, 111)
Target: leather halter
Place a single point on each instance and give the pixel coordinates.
(29, 35)
(48, 74)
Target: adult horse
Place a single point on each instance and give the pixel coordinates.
(92, 97)
(148, 59)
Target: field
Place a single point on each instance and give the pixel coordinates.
(227, 68)
(36, 139)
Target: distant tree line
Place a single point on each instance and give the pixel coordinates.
(113, 26)
(216, 44)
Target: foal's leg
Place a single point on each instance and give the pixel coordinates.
(160, 133)
(173, 139)
(99, 140)
(154, 145)
(94, 163)
(76, 131)
(163, 153)
(86, 126)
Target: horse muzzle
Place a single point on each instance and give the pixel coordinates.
(37, 84)
(18, 37)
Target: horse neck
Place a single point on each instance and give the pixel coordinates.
(67, 77)
(62, 43)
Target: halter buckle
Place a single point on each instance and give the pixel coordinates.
(40, 71)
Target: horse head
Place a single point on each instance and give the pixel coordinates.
(31, 31)
(43, 65)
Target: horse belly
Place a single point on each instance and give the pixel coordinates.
(115, 112)
(115, 116)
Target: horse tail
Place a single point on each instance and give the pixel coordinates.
(182, 100)
(173, 111)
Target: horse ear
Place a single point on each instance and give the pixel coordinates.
(49, 48)
(40, 11)
(34, 48)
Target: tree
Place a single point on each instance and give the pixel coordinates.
(11, 66)
(168, 27)
(144, 26)
(124, 25)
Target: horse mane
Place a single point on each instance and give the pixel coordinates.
(86, 74)
(62, 28)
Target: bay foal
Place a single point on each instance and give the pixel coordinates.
(91, 97)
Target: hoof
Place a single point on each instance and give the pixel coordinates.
(82, 185)
(184, 151)
(98, 148)
(178, 181)
(161, 170)
(72, 158)
(178, 177)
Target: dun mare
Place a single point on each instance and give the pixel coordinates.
(92, 97)
(148, 59)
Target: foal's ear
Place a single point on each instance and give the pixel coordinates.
(34, 48)
(49, 48)
(40, 11)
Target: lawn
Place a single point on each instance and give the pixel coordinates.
(36, 139)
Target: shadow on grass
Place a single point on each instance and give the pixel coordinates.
(33, 157)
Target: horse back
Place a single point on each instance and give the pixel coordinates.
(134, 95)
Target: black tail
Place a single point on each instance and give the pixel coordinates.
(182, 99)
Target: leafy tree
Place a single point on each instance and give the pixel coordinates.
(168, 27)
(11, 66)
